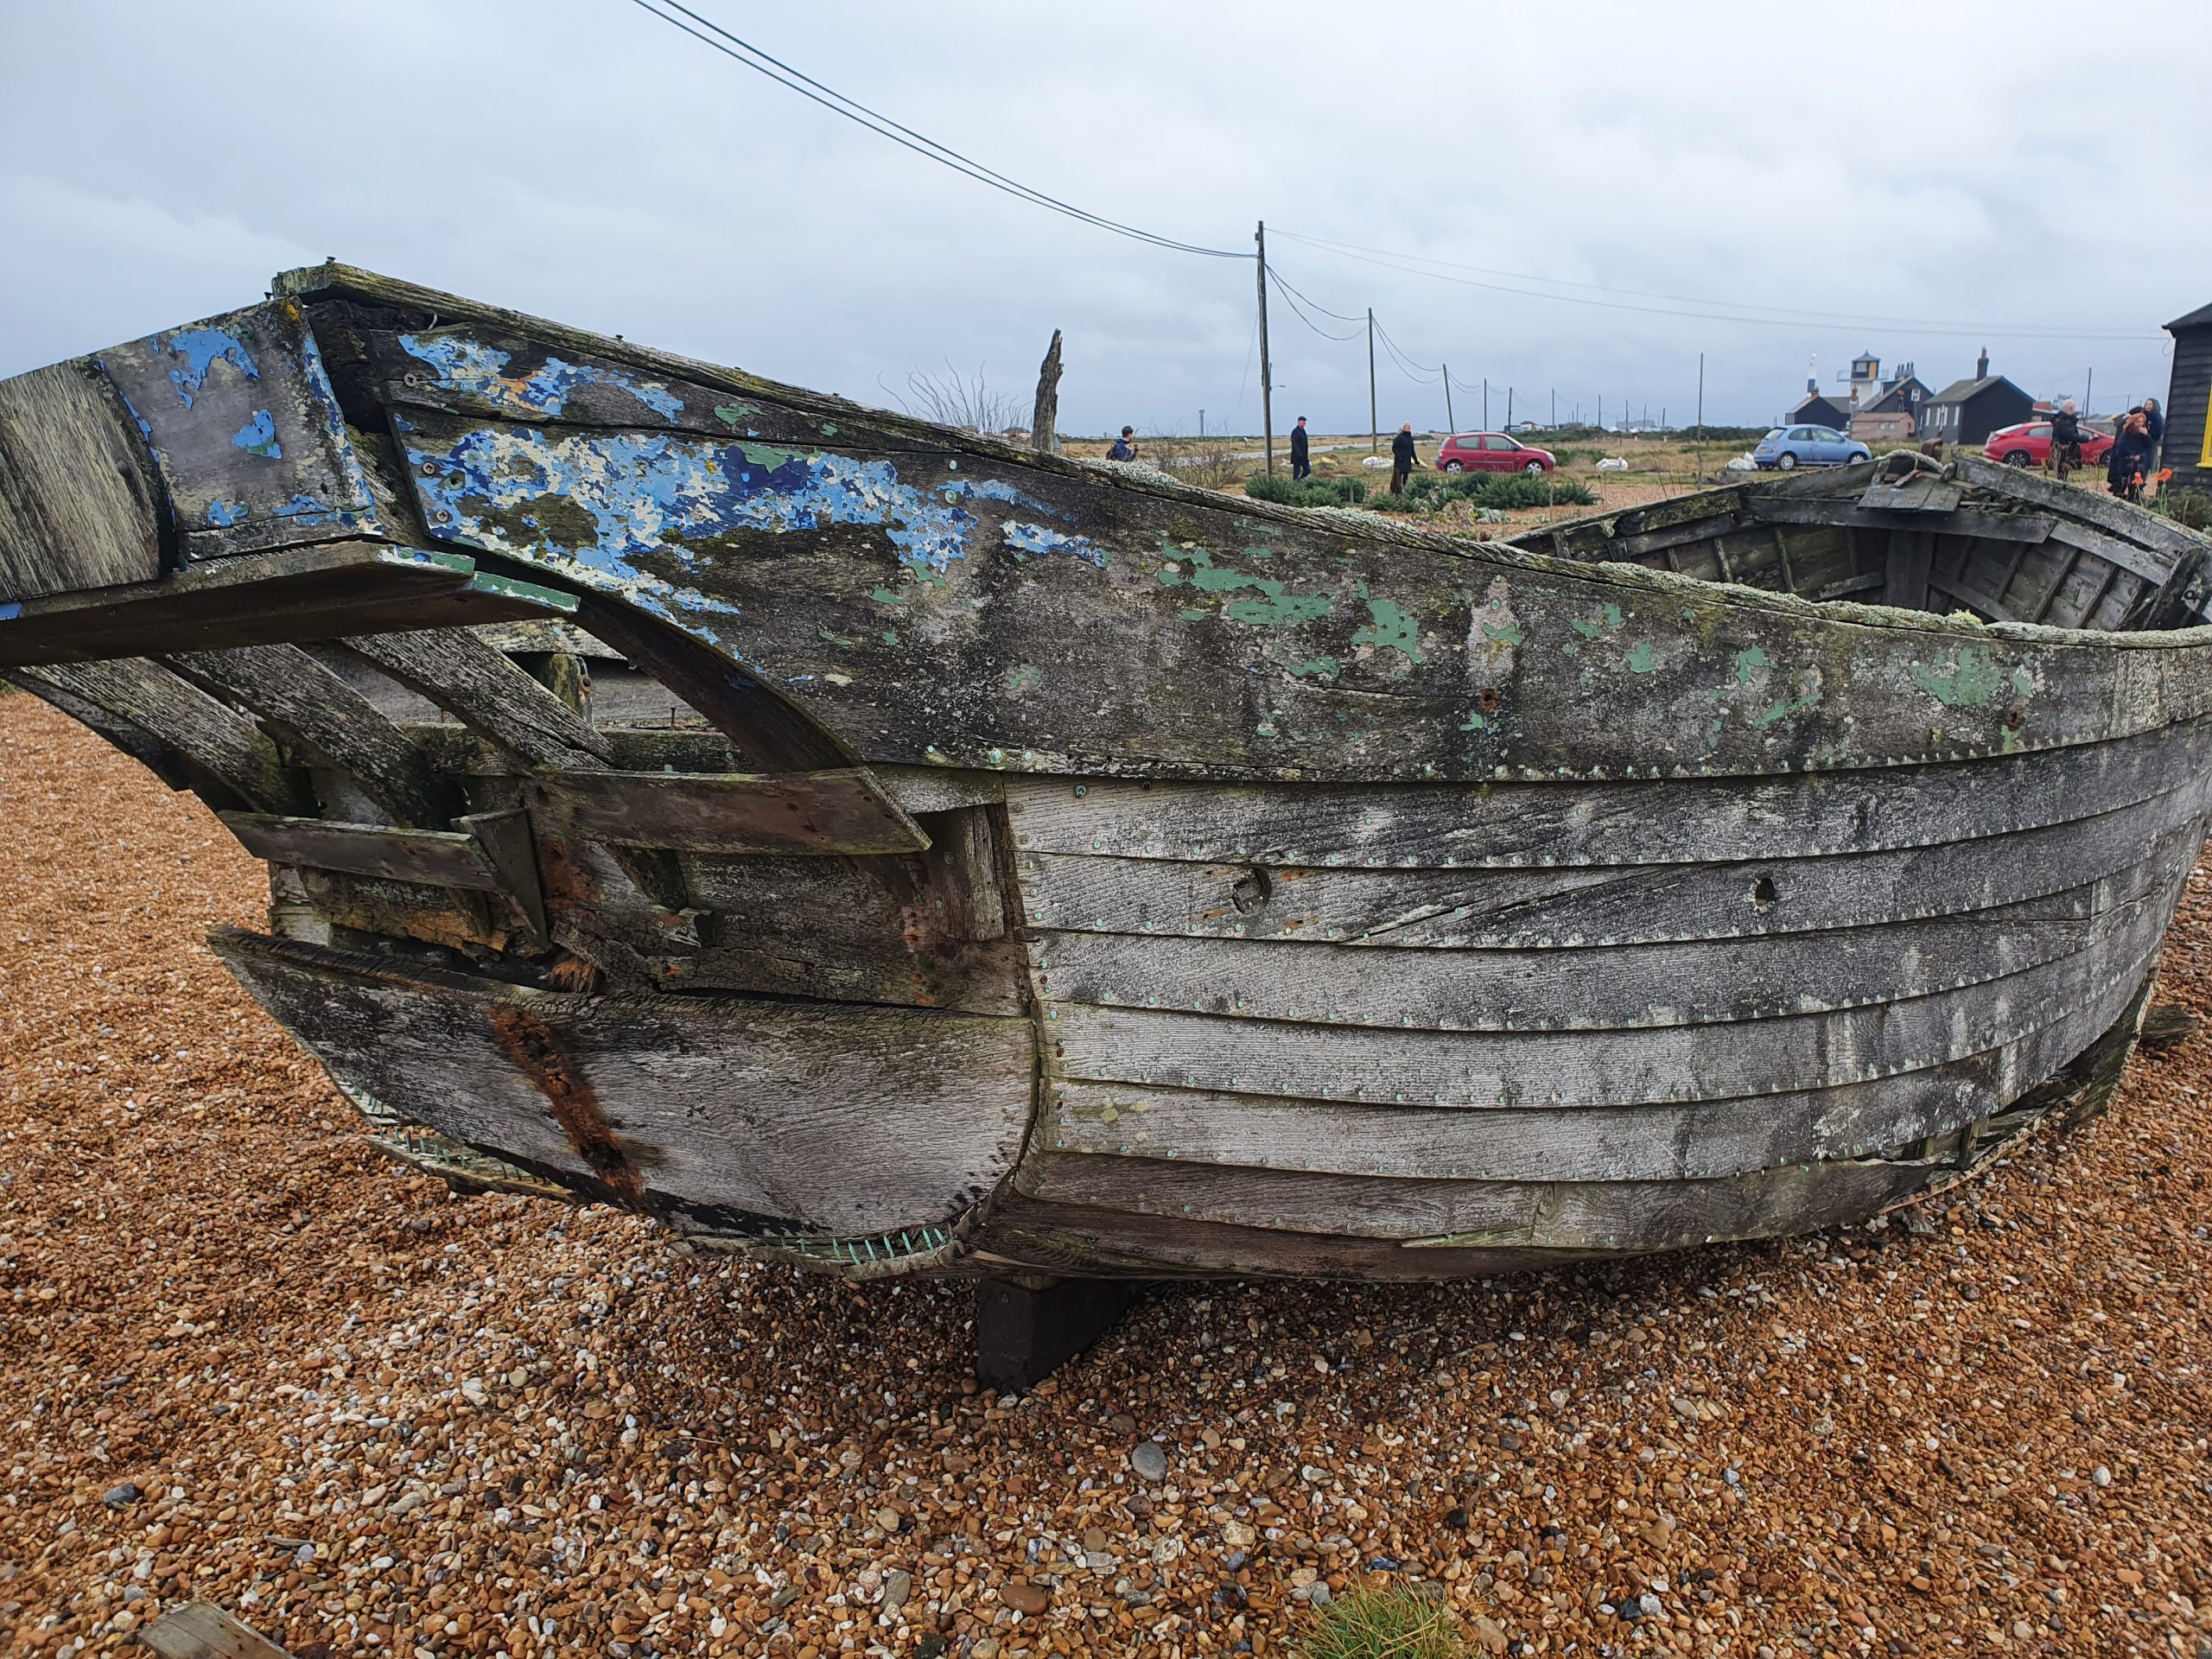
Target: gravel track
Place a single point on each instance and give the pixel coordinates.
(243, 1358)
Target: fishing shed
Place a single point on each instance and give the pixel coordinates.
(1968, 412)
(2189, 403)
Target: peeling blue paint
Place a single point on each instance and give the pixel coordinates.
(222, 514)
(1025, 539)
(259, 437)
(303, 509)
(201, 348)
(655, 492)
(469, 365)
(10, 609)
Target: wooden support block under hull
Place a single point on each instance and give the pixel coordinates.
(731, 1116)
(1025, 1332)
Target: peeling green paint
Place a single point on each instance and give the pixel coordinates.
(1787, 706)
(1275, 606)
(1972, 680)
(1640, 659)
(1507, 634)
(891, 636)
(1571, 649)
(1391, 629)
(1023, 677)
(1193, 616)
(888, 597)
(1591, 626)
(1326, 667)
(1748, 663)
(735, 414)
(1475, 723)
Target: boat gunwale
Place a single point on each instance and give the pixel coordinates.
(336, 281)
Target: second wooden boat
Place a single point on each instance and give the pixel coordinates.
(860, 842)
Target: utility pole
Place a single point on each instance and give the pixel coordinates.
(1698, 440)
(1555, 405)
(2088, 387)
(1374, 421)
(1267, 388)
(1448, 419)
(1202, 422)
(1485, 402)
(1601, 411)
(1509, 408)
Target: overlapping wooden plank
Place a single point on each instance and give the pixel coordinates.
(483, 687)
(290, 690)
(1698, 982)
(726, 1114)
(1650, 821)
(202, 1630)
(816, 813)
(1648, 1065)
(441, 858)
(1580, 1144)
(181, 716)
(1428, 908)
(78, 497)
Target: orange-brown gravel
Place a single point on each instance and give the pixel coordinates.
(243, 1358)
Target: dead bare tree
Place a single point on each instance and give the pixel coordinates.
(952, 399)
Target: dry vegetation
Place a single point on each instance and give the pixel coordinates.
(244, 1358)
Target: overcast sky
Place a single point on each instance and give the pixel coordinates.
(1995, 173)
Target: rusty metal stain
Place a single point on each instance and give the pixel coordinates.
(538, 1049)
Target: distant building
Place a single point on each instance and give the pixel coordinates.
(1900, 394)
(2189, 403)
(1814, 409)
(1968, 412)
(1893, 427)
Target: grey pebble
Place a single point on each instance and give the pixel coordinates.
(116, 1497)
(1149, 1459)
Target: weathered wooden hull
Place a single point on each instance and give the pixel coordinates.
(855, 841)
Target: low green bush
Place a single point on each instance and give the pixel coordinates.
(2188, 508)
(1306, 492)
(1384, 1625)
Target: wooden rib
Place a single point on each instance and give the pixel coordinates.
(441, 858)
(485, 689)
(823, 812)
(149, 698)
(290, 594)
(77, 496)
(291, 691)
(2057, 584)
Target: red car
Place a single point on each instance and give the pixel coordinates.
(2029, 445)
(1491, 452)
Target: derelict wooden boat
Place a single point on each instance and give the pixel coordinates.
(854, 840)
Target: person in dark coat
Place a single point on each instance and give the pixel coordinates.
(1300, 465)
(1125, 448)
(1402, 458)
(2130, 462)
(2154, 422)
(2065, 439)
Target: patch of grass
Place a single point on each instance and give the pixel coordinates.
(1308, 492)
(1384, 1625)
(1433, 492)
(2186, 508)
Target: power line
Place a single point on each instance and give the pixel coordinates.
(743, 52)
(1716, 311)
(1291, 297)
(1280, 282)
(1421, 374)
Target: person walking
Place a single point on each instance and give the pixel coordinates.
(2065, 440)
(1401, 458)
(1300, 466)
(1125, 447)
(2130, 462)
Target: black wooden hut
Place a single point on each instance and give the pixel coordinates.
(1968, 412)
(2188, 447)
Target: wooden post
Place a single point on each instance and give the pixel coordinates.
(1044, 419)
(1267, 384)
(1449, 419)
(1374, 421)
(1698, 440)
(1485, 402)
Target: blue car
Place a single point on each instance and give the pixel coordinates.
(1791, 447)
